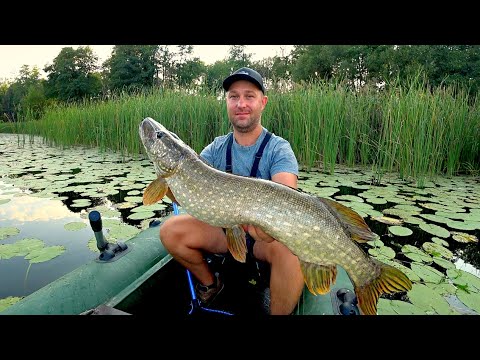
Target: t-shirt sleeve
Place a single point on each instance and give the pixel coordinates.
(284, 159)
(207, 154)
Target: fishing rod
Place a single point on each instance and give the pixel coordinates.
(195, 303)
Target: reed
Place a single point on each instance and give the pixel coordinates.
(415, 131)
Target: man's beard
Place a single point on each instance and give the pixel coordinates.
(247, 127)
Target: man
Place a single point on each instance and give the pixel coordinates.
(187, 238)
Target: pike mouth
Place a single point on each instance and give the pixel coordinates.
(148, 129)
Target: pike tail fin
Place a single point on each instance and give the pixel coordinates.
(390, 280)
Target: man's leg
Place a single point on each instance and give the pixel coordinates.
(286, 278)
(185, 238)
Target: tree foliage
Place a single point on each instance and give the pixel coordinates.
(71, 76)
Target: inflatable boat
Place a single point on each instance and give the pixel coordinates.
(139, 277)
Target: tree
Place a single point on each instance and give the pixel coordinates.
(131, 67)
(71, 76)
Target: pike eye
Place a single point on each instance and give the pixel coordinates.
(160, 134)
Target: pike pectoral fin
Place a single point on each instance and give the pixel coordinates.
(318, 278)
(155, 191)
(351, 221)
(237, 243)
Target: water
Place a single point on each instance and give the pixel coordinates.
(44, 188)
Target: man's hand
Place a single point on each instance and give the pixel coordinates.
(257, 233)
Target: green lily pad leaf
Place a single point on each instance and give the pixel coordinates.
(405, 308)
(428, 300)
(45, 254)
(427, 273)
(385, 251)
(463, 237)
(126, 205)
(153, 207)
(437, 250)
(141, 215)
(27, 245)
(122, 232)
(400, 230)
(439, 241)
(167, 200)
(8, 301)
(415, 253)
(4, 201)
(413, 220)
(443, 288)
(444, 263)
(8, 231)
(133, 193)
(464, 280)
(72, 226)
(375, 243)
(384, 307)
(8, 251)
(462, 225)
(133, 199)
(471, 300)
(81, 203)
(376, 200)
(435, 230)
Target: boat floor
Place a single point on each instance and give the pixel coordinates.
(168, 292)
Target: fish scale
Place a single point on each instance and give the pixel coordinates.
(322, 233)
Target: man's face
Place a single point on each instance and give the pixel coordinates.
(245, 104)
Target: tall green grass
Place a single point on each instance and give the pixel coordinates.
(412, 130)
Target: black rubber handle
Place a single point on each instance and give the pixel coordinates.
(95, 220)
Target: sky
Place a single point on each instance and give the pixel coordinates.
(12, 57)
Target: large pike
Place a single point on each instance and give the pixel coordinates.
(320, 232)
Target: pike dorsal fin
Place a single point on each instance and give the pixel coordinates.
(155, 191)
(318, 278)
(351, 221)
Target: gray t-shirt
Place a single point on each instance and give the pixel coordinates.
(278, 156)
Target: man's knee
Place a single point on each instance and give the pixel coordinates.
(170, 231)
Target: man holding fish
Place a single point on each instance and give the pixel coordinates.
(187, 238)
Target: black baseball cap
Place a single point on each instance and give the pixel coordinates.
(247, 74)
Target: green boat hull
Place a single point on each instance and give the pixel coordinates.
(145, 280)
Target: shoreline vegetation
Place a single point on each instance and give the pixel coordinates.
(410, 130)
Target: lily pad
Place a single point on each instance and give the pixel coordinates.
(397, 307)
(415, 254)
(444, 263)
(141, 215)
(437, 250)
(427, 273)
(385, 251)
(8, 301)
(4, 201)
(463, 237)
(73, 226)
(435, 230)
(429, 300)
(400, 230)
(45, 254)
(471, 300)
(8, 231)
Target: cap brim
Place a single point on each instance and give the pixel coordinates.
(235, 77)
